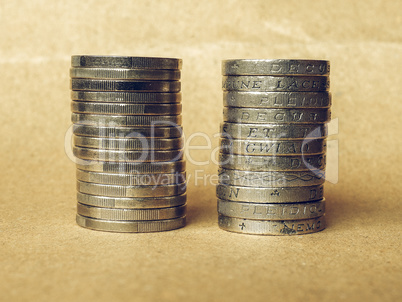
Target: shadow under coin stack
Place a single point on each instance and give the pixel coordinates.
(273, 146)
(128, 143)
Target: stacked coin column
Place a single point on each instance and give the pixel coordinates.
(273, 146)
(128, 143)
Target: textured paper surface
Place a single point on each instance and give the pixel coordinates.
(45, 256)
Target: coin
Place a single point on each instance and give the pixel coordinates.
(270, 179)
(127, 156)
(277, 99)
(275, 67)
(126, 97)
(126, 62)
(273, 131)
(259, 115)
(119, 73)
(273, 147)
(278, 211)
(271, 227)
(128, 132)
(131, 226)
(269, 195)
(131, 179)
(127, 120)
(126, 144)
(130, 191)
(130, 214)
(272, 163)
(126, 109)
(125, 85)
(275, 83)
(132, 202)
(135, 168)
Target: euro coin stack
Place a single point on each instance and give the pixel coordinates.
(127, 140)
(273, 146)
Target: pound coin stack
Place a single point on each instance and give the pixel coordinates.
(273, 146)
(126, 114)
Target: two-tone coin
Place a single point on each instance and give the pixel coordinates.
(125, 62)
(125, 73)
(127, 132)
(128, 144)
(127, 97)
(126, 120)
(131, 179)
(138, 156)
(134, 167)
(130, 191)
(125, 109)
(136, 226)
(132, 202)
(130, 214)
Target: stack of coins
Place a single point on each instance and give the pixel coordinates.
(128, 143)
(273, 146)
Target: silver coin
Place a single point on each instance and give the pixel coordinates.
(131, 226)
(126, 62)
(120, 73)
(273, 147)
(271, 179)
(276, 83)
(125, 109)
(127, 156)
(275, 67)
(273, 131)
(123, 144)
(131, 179)
(270, 195)
(130, 191)
(128, 132)
(278, 211)
(263, 116)
(127, 120)
(272, 163)
(271, 227)
(130, 214)
(131, 202)
(125, 85)
(277, 99)
(126, 97)
(134, 168)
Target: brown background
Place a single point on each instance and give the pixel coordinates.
(46, 256)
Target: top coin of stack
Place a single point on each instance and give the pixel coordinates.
(128, 137)
(273, 146)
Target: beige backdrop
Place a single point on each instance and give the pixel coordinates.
(46, 256)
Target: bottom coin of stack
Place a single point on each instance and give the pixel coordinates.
(272, 219)
(110, 199)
